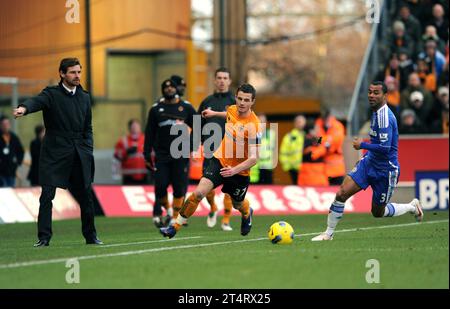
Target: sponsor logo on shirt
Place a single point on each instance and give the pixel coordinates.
(383, 137)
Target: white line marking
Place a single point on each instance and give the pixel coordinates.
(126, 253)
(379, 227)
(359, 250)
(147, 242)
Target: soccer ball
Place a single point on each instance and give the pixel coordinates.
(281, 233)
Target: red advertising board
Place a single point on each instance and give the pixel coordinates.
(422, 154)
(125, 201)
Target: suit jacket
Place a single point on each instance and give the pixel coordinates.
(68, 123)
(35, 152)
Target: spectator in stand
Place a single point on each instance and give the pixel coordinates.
(412, 25)
(410, 124)
(406, 67)
(422, 110)
(431, 34)
(391, 69)
(400, 39)
(35, 152)
(415, 85)
(427, 76)
(434, 58)
(439, 114)
(399, 67)
(418, 8)
(393, 96)
(443, 79)
(440, 22)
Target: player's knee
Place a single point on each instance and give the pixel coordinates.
(179, 193)
(342, 195)
(236, 205)
(200, 194)
(377, 212)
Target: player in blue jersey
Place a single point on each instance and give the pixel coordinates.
(379, 168)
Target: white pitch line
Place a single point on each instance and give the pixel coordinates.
(378, 227)
(146, 242)
(136, 252)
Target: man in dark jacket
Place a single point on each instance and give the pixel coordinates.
(11, 153)
(218, 101)
(170, 114)
(66, 159)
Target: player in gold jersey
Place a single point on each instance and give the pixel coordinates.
(231, 162)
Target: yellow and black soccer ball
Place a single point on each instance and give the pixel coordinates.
(281, 232)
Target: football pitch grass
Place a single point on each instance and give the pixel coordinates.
(409, 255)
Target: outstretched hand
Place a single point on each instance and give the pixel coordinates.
(208, 113)
(227, 171)
(19, 112)
(357, 143)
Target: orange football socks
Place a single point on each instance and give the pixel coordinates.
(210, 198)
(177, 204)
(245, 208)
(188, 209)
(227, 207)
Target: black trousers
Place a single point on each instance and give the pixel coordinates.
(81, 194)
(129, 180)
(294, 176)
(265, 177)
(175, 172)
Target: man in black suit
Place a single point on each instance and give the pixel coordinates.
(66, 159)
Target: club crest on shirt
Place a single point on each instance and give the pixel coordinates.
(180, 109)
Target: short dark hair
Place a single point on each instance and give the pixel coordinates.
(223, 70)
(404, 5)
(383, 85)
(131, 121)
(3, 117)
(247, 88)
(68, 62)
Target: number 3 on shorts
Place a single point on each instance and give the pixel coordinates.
(383, 198)
(240, 192)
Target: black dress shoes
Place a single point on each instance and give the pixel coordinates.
(94, 241)
(42, 243)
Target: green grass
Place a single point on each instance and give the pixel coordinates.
(409, 255)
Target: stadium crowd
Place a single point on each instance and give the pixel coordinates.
(416, 71)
